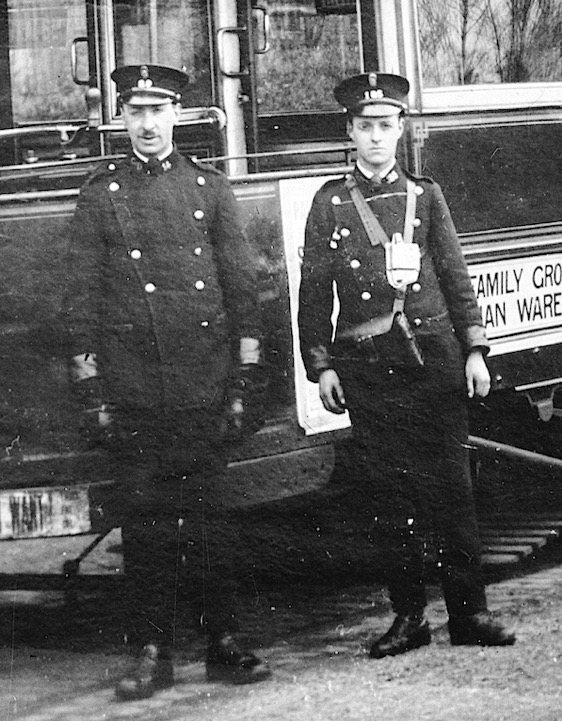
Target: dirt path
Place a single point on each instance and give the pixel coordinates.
(314, 646)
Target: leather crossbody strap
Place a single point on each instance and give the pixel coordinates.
(410, 215)
(375, 231)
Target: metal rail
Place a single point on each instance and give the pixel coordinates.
(62, 129)
(192, 116)
(494, 447)
(474, 443)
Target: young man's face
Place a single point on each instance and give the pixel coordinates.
(150, 124)
(376, 136)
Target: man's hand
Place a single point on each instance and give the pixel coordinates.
(83, 366)
(477, 375)
(245, 408)
(331, 391)
(87, 390)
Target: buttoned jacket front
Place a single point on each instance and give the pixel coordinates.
(338, 252)
(161, 284)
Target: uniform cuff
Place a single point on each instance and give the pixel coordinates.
(250, 353)
(319, 361)
(476, 340)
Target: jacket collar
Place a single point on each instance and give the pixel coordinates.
(393, 175)
(155, 166)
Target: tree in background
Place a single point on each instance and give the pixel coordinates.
(488, 41)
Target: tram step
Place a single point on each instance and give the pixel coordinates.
(520, 550)
(528, 533)
(510, 538)
(554, 516)
(500, 559)
(530, 523)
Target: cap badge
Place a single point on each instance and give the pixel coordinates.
(373, 80)
(373, 94)
(145, 81)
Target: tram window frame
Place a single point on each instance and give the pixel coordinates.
(501, 96)
(60, 99)
(291, 14)
(110, 10)
(498, 69)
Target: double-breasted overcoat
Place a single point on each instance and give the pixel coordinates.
(161, 288)
(161, 285)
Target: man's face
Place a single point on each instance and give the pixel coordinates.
(376, 136)
(150, 124)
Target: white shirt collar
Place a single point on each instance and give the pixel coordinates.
(162, 156)
(369, 173)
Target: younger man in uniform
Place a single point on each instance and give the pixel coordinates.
(408, 407)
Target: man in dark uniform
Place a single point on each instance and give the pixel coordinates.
(164, 332)
(407, 401)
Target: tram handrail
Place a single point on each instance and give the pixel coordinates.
(62, 128)
(522, 454)
(207, 115)
(475, 443)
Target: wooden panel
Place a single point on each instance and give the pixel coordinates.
(496, 177)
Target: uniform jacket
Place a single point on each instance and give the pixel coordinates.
(440, 305)
(160, 282)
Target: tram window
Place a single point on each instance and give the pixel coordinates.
(40, 35)
(309, 52)
(465, 42)
(166, 32)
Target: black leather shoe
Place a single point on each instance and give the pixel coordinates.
(479, 630)
(228, 663)
(153, 671)
(405, 634)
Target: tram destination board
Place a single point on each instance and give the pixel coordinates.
(42, 512)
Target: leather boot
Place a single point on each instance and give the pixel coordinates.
(479, 630)
(228, 663)
(153, 670)
(405, 634)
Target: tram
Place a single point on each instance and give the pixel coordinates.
(485, 120)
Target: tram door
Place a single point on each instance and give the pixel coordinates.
(298, 51)
(36, 42)
(265, 62)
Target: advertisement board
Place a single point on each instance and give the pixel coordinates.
(296, 198)
(520, 299)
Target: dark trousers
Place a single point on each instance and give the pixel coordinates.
(412, 473)
(178, 539)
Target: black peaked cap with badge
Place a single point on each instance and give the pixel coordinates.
(157, 80)
(358, 91)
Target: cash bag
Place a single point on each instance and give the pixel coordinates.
(389, 339)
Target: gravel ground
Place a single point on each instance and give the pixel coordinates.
(312, 638)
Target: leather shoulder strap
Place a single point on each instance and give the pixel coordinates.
(409, 218)
(410, 211)
(374, 230)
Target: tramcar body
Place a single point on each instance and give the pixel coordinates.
(485, 121)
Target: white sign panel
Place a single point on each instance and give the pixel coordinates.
(41, 512)
(520, 299)
(296, 198)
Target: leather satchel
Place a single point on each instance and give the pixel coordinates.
(387, 339)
